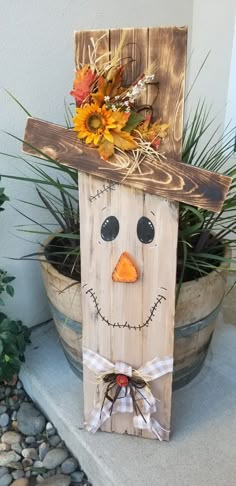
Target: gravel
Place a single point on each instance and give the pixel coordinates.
(54, 458)
(43, 450)
(50, 429)
(3, 470)
(11, 437)
(16, 447)
(6, 457)
(31, 451)
(57, 480)
(6, 480)
(30, 440)
(4, 420)
(30, 420)
(77, 476)
(20, 482)
(69, 465)
(4, 447)
(18, 474)
(54, 440)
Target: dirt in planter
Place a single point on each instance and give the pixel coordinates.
(64, 255)
(213, 246)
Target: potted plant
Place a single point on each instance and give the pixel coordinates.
(204, 249)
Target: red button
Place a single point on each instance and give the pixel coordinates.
(122, 380)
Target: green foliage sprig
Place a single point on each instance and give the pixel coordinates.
(5, 286)
(13, 335)
(3, 197)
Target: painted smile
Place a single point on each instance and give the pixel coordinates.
(146, 323)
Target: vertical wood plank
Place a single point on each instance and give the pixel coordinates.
(93, 336)
(134, 52)
(167, 51)
(83, 42)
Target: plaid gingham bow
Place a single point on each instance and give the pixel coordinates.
(124, 404)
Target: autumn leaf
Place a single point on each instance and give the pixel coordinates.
(98, 97)
(115, 85)
(82, 85)
(121, 118)
(106, 149)
(156, 142)
(147, 121)
(153, 132)
(110, 88)
(123, 140)
(134, 120)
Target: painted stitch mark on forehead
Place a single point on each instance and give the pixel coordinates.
(106, 188)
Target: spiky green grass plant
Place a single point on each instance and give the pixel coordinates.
(203, 235)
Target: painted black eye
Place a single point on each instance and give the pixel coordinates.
(145, 230)
(110, 228)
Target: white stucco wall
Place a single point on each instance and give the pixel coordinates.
(231, 98)
(36, 65)
(212, 30)
(231, 105)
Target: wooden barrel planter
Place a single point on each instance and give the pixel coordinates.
(64, 296)
(198, 307)
(195, 319)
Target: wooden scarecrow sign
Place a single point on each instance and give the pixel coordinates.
(126, 144)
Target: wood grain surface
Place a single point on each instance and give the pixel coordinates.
(171, 179)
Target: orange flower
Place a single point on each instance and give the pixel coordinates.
(102, 127)
(82, 86)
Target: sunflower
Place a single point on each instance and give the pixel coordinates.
(92, 123)
(102, 127)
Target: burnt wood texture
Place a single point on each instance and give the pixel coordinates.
(171, 179)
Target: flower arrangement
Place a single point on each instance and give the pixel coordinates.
(108, 116)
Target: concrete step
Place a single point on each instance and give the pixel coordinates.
(202, 447)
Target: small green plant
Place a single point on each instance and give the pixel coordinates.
(14, 338)
(13, 335)
(3, 197)
(5, 281)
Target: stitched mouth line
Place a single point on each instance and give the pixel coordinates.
(146, 323)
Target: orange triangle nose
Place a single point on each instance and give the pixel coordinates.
(126, 270)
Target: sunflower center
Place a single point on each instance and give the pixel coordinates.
(94, 122)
